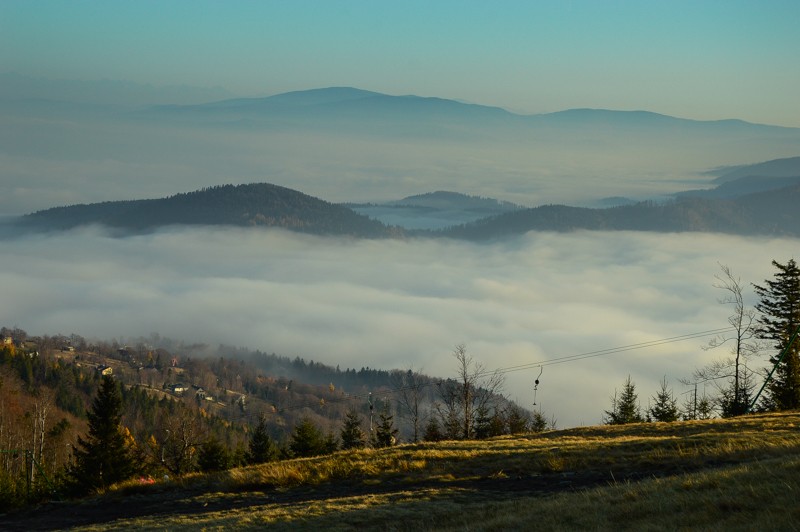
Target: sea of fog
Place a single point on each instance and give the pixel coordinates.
(401, 303)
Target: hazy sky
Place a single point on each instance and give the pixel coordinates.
(694, 59)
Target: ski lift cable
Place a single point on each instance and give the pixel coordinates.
(521, 367)
(536, 384)
(607, 351)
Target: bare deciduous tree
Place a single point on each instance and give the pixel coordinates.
(181, 436)
(409, 387)
(730, 376)
(471, 392)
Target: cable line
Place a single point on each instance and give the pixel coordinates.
(521, 367)
(609, 351)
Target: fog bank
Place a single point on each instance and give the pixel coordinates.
(399, 303)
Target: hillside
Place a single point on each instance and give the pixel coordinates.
(738, 474)
(786, 167)
(771, 212)
(255, 205)
(176, 400)
(760, 177)
(65, 369)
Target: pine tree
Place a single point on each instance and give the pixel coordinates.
(213, 456)
(261, 448)
(432, 430)
(103, 458)
(665, 406)
(352, 435)
(518, 420)
(780, 317)
(625, 409)
(307, 440)
(331, 444)
(385, 432)
(539, 423)
(483, 422)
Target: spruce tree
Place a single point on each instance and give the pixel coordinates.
(482, 423)
(625, 409)
(518, 420)
(539, 423)
(384, 432)
(780, 317)
(352, 435)
(665, 406)
(432, 430)
(213, 456)
(307, 440)
(103, 458)
(261, 448)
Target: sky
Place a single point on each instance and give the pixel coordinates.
(704, 60)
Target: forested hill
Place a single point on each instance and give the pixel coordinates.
(239, 205)
(771, 212)
(767, 212)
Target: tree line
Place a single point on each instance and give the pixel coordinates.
(769, 329)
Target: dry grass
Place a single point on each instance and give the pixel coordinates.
(713, 475)
(760, 495)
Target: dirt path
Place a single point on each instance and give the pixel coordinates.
(105, 510)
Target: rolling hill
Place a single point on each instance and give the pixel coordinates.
(254, 205)
(771, 212)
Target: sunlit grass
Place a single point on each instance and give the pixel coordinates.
(701, 475)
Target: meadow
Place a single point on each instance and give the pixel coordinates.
(738, 474)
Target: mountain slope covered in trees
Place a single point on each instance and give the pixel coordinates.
(770, 212)
(251, 205)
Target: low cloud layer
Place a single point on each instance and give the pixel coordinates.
(399, 303)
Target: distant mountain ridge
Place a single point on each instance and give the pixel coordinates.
(349, 102)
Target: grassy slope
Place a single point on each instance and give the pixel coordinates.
(715, 475)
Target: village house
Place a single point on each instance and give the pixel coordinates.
(176, 388)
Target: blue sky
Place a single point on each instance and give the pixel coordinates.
(694, 59)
